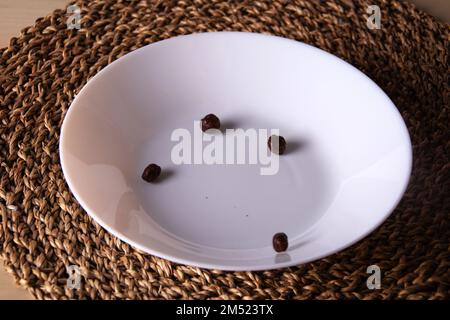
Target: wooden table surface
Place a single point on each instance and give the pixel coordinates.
(16, 14)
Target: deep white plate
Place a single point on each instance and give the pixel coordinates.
(347, 165)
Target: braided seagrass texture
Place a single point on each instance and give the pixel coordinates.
(43, 229)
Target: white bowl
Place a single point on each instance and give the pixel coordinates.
(347, 166)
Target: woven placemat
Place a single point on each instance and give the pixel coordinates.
(43, 229)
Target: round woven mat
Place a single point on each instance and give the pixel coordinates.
(43, 229)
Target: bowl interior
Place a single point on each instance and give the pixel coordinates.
(346, 167)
